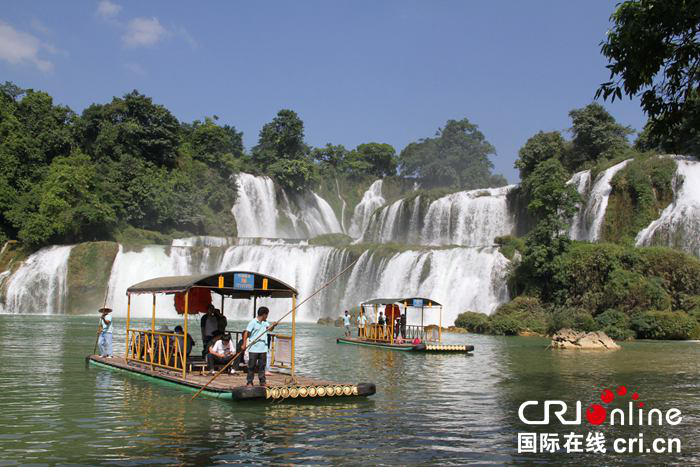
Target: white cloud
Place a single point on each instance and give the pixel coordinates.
(107, 9)
(143, 32)
(40, 27)
(135, 68)
(17, 47)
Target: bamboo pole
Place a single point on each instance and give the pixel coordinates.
(128, 320)
(184, 338)
(294, 315)
(293, 310)
(153, 330)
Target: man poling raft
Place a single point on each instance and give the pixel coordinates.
(392, 331)
(164, 355)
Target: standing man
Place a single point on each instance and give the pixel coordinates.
(346, 323)
(209, 325)
(257, 354)
(381, 322)
(403, 325)
(105, 341)
(361, 321)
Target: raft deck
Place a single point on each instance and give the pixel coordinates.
(429, 347)
(227, 386)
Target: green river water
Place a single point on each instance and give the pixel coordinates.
(447, 409)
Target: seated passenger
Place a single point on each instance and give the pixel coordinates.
(221, 352)
(181, 339)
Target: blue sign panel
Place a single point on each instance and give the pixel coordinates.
(418, 302)
(243, 281)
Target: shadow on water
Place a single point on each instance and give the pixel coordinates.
(428, 408)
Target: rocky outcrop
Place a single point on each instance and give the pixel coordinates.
(570, 339)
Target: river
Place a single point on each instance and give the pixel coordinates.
(428, 408)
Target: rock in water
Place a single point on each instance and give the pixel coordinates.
(570, 339)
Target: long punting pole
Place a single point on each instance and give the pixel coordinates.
(293, 310)
(294, 329)
(184, 338)
(128, 319)
(440, 326)
(153, 331)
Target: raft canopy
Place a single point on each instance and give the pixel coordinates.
(234, 284)
(419, 302)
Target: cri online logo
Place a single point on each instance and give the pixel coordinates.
(597, 414)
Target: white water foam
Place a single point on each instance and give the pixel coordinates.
(371, 200)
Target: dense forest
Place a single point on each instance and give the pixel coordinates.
(129, 168)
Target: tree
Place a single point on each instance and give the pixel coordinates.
(596, 136)
(653, 51)
(217, 146)
(66, 206)
(457, 156)
(552, 201)
(130, 125)
(330, 156)
(282, 152)
(375, 159)
(539, 148)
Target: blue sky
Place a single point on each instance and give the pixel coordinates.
(361, 71)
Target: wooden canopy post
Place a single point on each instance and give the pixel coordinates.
(440, 326)
(128, 319)
(294, 329)
(153, 330)
(255, 305)
(184, 338)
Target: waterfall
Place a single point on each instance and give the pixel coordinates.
(461, 278)
(259, 212)
(679, 224)
(469, 218)
(371, 200)
(582, 182)
(39, 285)
(589, 222)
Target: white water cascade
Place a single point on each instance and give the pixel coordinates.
(469, 218)
(259, 212)
(589, 221)
(679, 224)
(39, 285)
(461, 278)
(371, 200)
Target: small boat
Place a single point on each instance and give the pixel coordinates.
(164, 357)
(406, 337)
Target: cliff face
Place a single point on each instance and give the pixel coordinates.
(89, 268)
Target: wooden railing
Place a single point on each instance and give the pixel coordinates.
(162, 349)
(379, 332)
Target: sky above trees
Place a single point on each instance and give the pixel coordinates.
(391, 71)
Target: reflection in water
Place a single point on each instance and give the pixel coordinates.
(428, 408)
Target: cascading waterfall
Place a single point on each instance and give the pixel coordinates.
(259, 213)
(589, 222)
(39, 285)
(479, 274)
(371, 200)
(679, 224)
(469, 218)
(582, 182)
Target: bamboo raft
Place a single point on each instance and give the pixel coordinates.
(431, 348)
(227, 386)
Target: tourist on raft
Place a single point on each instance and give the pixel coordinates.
(346, 323)
(212, 322)
(105, 340)
(361, 322)
(181, 339)
(221, 352)
(257, 353)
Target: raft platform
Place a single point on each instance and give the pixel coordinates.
(227, 386)
(426, 348)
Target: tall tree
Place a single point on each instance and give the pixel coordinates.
(457, 156)
(596, 135)
(539, 148)
(375, 159)
(215, 145)
(653, 51)
(282, 153)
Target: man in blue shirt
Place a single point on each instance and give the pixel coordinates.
(257, 354)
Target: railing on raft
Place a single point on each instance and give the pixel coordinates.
(383, 332)
(162, 349)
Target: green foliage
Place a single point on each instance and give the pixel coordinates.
(615, 324)
(509, 245)
(539, 148)
(217, 146)
(653, 50)
(596, 136)
(473, 322)
(89, 268)
(572, 318)
(665, 325)
(523, 313)
(337, 240)
(458, 156)
(678, 272)
(504, 325)
(375, 159)
(640, 191)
